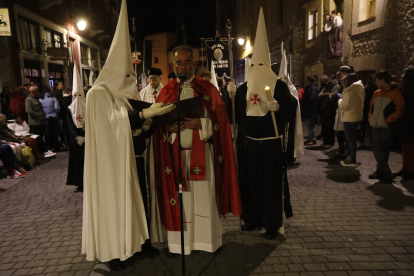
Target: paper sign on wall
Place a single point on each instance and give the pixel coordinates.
(5, 29)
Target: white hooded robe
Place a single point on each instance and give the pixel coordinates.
(114, 223)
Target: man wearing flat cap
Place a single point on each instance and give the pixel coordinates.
(150, 93)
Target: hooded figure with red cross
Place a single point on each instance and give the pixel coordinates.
(261, 159)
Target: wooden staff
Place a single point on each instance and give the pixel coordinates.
(270, 99)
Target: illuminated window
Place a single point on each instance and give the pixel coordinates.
(84, 54)
(313, 24)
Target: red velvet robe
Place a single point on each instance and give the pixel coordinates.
(227, 186)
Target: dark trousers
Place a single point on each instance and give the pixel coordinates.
(38, 130)
(362, 131)
(52, 135)
(381, 146)
(351, 132)
(7, 157)
(41, 146)
(328, 135)
(65, 134)
(343, 145)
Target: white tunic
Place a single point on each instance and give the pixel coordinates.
(201, 217)
(147, 94)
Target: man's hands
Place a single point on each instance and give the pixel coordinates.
(192, 123)
(273, 105)
(80, 140)
(156, 110)
(231, 88)
(174, 127)
(188, 123)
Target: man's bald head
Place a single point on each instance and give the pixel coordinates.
(34, 91)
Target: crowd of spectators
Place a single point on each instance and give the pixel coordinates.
(36, 120)
(345, 108)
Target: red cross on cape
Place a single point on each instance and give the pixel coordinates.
(228, 190)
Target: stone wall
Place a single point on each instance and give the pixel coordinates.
(299, 48)
(368, 43)
(398, 38)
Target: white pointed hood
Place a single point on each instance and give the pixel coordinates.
(78, 105)
(118, 73)
(246, 68)
(260, 73)
(283, 74)
(213, 76)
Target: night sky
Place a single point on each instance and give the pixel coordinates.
(157, 16)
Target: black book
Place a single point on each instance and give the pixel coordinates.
(138, 105)
(189, 108)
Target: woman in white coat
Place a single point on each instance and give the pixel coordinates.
(352, 105)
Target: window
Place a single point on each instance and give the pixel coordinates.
(84, 54)
(367, 9)
(94, 56)
(53, 39)
(72, 49)
(29, 33)
(313, 24)
(372, 8)
(280, 10)
(155, 60)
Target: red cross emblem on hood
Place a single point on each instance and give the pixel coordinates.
(79, 118)
(255, 99)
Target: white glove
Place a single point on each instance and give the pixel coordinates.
(156, 110)
(273, 105)
(231, 88)
(147, 124)
(80, 140)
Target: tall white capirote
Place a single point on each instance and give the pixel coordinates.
(260, 73)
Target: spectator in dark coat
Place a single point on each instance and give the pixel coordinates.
(64, 104)
(369, 92)
(309, 108)
(328, 101)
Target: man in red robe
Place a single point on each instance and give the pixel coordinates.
(209, 173)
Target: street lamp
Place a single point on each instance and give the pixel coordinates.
(81, 25)
(241, 41)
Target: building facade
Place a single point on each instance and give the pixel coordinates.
(46, 41)
(376, 35)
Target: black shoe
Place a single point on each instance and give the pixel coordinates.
(387, 178)
(116, 265)
(248, 227)
(374, 176)
(401, 172)
(149, 251)
(270, 235)
(172, 255)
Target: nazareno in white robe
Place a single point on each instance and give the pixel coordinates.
(202, 221)
(114, 222)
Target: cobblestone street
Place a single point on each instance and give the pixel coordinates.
(343, 224)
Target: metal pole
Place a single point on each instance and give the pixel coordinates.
(180, 182)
